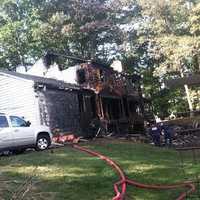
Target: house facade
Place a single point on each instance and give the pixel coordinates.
(84, 93)
(116, 98)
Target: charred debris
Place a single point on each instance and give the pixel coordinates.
(186, 124)
(98, 96)
(110, 98)
(113, 98)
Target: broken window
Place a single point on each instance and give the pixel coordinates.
(81, 77)
(87, 105)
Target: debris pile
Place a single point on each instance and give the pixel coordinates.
(187, 138)
(65, 138)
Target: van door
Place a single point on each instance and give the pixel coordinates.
(22, 134)
(6, 139)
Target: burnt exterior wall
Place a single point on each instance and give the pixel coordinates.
(101, 94)
(119, 100)
(100, 79)
(59, 109)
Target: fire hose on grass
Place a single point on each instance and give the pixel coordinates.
(124, 181)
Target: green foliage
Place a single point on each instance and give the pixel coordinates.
(194, 20)
(28, 28)
(16, 27)
(167, 46)
(181, 54)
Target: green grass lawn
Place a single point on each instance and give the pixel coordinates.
(67, 174)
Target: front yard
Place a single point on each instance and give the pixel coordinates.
(67, 174)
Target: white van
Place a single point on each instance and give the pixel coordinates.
(17, 135)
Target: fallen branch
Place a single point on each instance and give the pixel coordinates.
(26, 186)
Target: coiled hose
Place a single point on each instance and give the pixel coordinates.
(120, 195)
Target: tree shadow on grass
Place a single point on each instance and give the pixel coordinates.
(67, 187)
(73, 175)
(88, 187)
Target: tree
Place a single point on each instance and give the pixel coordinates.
(170, 50)
(88, 29)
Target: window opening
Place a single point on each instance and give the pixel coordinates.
(17, 122)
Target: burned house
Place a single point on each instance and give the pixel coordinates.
(116, 98)
(83, 94)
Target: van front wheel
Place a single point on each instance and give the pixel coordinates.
(43, 142)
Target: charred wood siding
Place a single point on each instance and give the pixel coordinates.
(59, 109)
(100, 78)
(119, 98)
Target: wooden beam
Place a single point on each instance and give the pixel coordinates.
(180, 82)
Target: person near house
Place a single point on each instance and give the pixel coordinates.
(168, 134)
(155, 133)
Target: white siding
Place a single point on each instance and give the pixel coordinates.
(69, 75)
(17, 97)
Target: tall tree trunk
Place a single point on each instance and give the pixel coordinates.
(187, 94)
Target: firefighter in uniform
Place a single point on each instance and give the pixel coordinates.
(155, 133)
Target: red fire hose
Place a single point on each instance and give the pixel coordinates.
(124, 181)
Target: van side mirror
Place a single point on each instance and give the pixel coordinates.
(28, 123)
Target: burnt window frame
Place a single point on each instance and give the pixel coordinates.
(81, 76)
